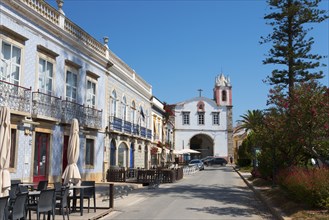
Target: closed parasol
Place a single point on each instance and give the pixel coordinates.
(72, 173)
(5, 145)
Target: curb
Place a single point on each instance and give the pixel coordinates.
(274, 212)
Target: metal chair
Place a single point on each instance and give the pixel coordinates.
(45, 204)
(18, 210)
(89, 193)
(4, 207)
(63, 202)
(42, 185)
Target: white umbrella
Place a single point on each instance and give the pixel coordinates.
(71, 173)
(186, 151)
(5, 145)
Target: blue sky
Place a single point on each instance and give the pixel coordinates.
(181, 46)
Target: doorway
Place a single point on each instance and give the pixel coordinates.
(41, 157)
(65, 145)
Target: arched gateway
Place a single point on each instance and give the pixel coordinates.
(202, 143)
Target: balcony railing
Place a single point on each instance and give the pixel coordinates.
(16, 97)
(46, 105)
(115, 123)
(72, 110)
(93, 118)
(149, 134)
(143, 132)
(136, 130)
(88, 117)
(127, 128)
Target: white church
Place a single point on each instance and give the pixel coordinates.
(205, 124)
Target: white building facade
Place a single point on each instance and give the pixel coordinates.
(205, 124)
(52, 71)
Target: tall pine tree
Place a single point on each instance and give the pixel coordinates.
(291, 47)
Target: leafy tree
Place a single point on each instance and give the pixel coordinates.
(251, 120)
(291, 48)
(308, 127)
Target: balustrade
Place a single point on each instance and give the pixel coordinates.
(127, 127)
(115, 123)
(15, 97)
(143, 132)
(149, 134)
(48, 12)
(44, 9)
(136, 130)
(46, 105)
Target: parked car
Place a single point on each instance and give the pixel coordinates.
(207, 159)
(217, 161)
(198, 163)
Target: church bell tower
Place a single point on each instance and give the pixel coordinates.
(223, 91)
(223, 98)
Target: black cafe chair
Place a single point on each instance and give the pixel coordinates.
(59, 189)
(42, 185)
(63, 202)
(45, 204)
(4, 207)
(18, 209)
(89, 193)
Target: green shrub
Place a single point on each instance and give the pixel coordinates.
(310, 186)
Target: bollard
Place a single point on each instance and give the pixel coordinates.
(111, 199)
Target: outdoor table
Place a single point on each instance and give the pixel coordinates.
(29, 185)
(34, 193)
(81, 188)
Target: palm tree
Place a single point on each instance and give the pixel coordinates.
(250, 121)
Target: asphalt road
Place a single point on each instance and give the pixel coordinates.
(215, 193)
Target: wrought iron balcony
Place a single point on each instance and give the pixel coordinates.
(72, 110)
(45, 105)
(149, 134)
(115, 123)
(136, 130)
(127, 127)
(88, 117)
(16, 97)
(143, 132)
(92, 118)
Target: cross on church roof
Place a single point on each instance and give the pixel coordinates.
(200, 91)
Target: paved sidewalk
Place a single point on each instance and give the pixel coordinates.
(278, 214)
(102, 202)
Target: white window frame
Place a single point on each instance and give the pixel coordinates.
(133, 112)
(186, 118)
(74, 71)
(215, 118)
(8, 64)
(43, 75)
(201, 118)
(113, 103)
(91, 96)
(124, 108)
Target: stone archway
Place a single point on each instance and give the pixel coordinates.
(202, 143)
(123, 155)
